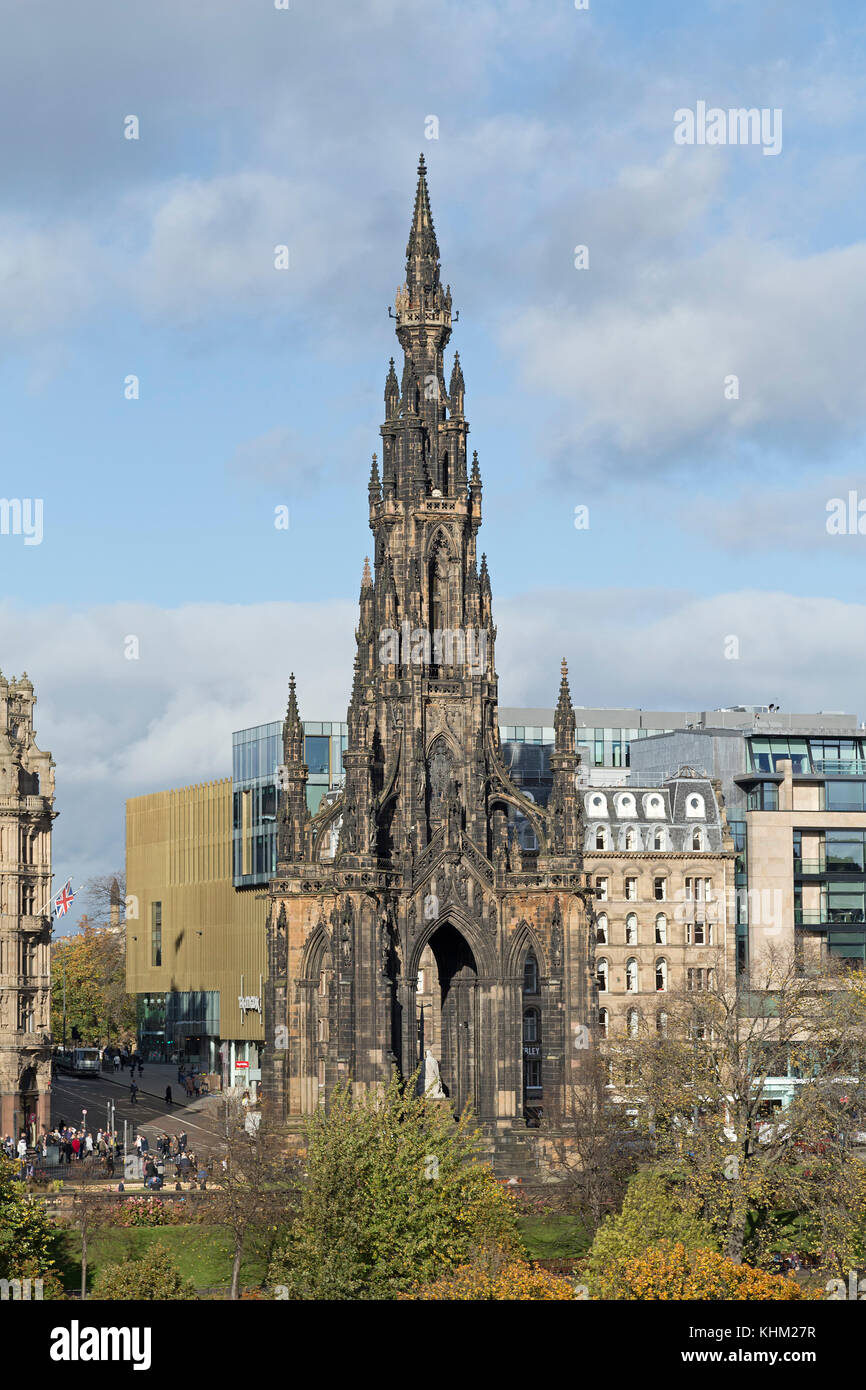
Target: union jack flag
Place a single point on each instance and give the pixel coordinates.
(63, 900)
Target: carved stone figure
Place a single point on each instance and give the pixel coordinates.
(432, 1078)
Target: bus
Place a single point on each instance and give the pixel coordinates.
(78, 1061)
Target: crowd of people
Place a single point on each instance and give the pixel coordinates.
(170, 1152)
(73, 1146)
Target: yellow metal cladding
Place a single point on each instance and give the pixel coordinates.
(179, 854)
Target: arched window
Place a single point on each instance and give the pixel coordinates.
(531, 1029)
(631, 976)
(602, 971)
(661, 930)
(530, 974)
(601, 929)
(600, 838)
(695, 805)
(632, 1022)
(603, 1021)
(661, 974)
(659, 839)
(630, 838)
(697, 840)
(631, 930)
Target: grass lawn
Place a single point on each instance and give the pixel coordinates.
(201, 1253)
(553, 1237)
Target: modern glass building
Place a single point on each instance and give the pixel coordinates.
(257, 754)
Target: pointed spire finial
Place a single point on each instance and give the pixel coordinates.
(366, 577)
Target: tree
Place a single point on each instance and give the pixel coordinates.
(396, 1194)
(698, 1088)
(671, 1271)
(650, 1213)
(150, 1277)
(595, 1150)
(88, 1205)
(90, 968)
(29, 1242)
(257, 1187)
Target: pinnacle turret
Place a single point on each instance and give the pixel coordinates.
(564, 718)
(422, 251)
(293, 729)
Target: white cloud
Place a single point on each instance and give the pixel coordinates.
(120, 728)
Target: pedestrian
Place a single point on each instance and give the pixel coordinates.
(181, 1143)
(133, 1093)
(187, 1081)
(145, 1145)
(76, 1146)
(180, 1073)
(202, 1178)
(168, 1095)
(116, 1062)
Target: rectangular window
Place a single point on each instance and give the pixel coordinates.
(660, 889)
(631, 890)
(844, 796)
(156, 933)
(601, 889)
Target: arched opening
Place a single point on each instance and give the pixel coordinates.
(447, 1013)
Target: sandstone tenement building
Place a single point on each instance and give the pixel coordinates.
(26, 816)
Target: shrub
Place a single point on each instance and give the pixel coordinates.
(670, 1271)
(516, 1280)
(151, 1276)
(650, 1213)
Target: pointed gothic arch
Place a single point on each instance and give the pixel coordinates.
(524, 940)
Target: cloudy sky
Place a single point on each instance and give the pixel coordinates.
(601, 387)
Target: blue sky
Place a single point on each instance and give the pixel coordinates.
(259, 387)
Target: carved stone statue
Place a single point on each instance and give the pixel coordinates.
(432, 1079)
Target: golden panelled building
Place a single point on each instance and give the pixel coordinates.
(196, 946)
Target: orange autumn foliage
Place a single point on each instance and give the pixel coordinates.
(669, 1271)
(517, 1280)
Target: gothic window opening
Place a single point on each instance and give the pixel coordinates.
(532, 1087)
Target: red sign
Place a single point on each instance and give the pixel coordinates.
(241, 1064)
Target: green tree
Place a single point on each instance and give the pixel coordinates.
(90, 967)
(396, 1193)
(29, 1241)
(651, 1212)
(150, 1277)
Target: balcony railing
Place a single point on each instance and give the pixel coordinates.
(825, 916)
(848, 767)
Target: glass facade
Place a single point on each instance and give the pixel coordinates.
(256, 757)
(830, 887)
(603, 747)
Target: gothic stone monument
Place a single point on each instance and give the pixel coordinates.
(404, 914)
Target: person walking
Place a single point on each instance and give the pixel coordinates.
(168, 1099)
(133, 1093)
(116, 1063)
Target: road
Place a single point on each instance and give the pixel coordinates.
(71, 1095)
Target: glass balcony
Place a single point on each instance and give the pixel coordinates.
(848, 767)
(823, 916)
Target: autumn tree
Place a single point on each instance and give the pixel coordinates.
(29, 1241)
(89, 969)
(698, 1086)
(254, 1185)
(594, 1149)
(396, 1194)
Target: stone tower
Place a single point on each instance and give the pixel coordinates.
(26, 815)
(404, 914)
